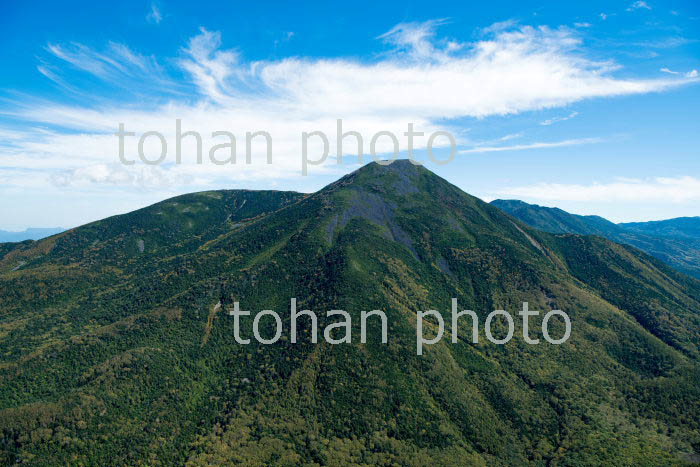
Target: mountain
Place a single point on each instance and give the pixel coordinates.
(674, 241)
(171, 227)
(680, 228)
(117, 348)
(556, 220)
(28, 234)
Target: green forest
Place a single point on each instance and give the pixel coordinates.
(115, 348)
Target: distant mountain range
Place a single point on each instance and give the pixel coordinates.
(674, 241)
(115, 348)
(28, 234)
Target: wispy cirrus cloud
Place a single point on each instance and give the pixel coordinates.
(116, 65)
(511, 136)
(154, 15)
(539, 145)
(551, 121)
(417, 41)
(688, 74)
(424, 79)
(639, 5)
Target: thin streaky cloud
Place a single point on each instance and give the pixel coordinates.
(522, 147)
(554, 120)
(116, 65)
(688, 74)
(512, 136)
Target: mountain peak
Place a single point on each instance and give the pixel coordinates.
(399, 166)
(134, 305)
(400, 177)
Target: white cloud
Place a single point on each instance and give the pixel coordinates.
(211, 68)
(662, 189)
(639, 4)
(499, 27)
(583, 25)
(116, 65)
(603, 16)
(521, 147)
(689, 74)
(116, 174)
(511, 136)
(417, 40)
(559, 119)
(514, 71)
(424, 79)
(154, 15)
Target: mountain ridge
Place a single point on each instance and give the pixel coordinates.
(666, 240)
(118, 355)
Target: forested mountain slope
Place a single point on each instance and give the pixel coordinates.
(116, 348)
(674, 241)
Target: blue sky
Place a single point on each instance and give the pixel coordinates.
(588, 106)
